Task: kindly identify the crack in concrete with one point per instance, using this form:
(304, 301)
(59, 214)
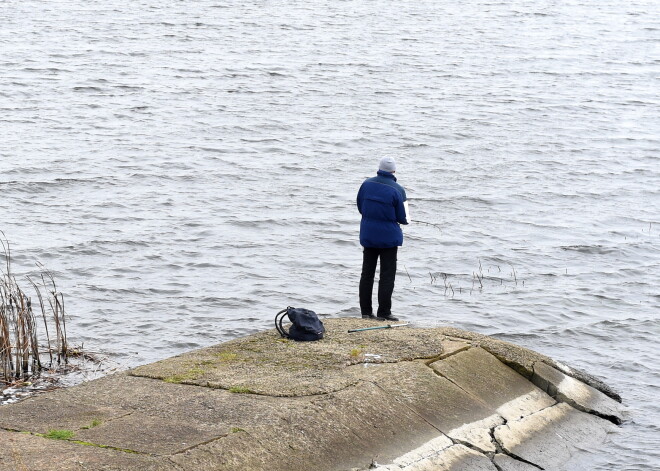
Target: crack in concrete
(611, 418)
(493, 440)
(207, 384)
(522, 460)
(175, 464)
(13, 430)
(111, 419)
(443, 355)
(255, 393)
(469, 445)
(490, 455)
(451, 381)
(535, 412)
(205, 442)
(559, 397)
(78, 442)
(498, 445)
(429, 361)
(500, 448)
(496, 466)
(408, 407)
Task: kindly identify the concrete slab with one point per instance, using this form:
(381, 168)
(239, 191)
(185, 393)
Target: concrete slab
(264, 363)
(23, 452)
(550, 438)
(342, 430)
(579, 395)
(241, 450)
(334, 405)
(516, 357)
(522, 360)
(102, 400)
(154, 435)
(483, 376)
(461, 458)
(421, 454)
(142, 415)
(453, 458)
(478, 434)
(452, 347)
(40, 415)
(436, 399)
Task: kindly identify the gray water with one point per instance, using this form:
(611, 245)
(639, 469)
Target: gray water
(189, 168)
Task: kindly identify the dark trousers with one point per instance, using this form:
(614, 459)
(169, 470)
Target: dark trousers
(386, 283)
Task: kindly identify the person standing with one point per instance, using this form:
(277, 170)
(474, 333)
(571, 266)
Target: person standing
(380, 201)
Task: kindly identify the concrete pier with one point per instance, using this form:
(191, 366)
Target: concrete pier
(408, 399)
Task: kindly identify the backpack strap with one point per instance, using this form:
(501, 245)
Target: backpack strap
(279, 317)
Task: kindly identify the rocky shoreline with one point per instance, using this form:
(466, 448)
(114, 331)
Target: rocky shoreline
(394, 399)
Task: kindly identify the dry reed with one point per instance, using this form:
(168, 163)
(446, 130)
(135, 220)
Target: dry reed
(20, 351)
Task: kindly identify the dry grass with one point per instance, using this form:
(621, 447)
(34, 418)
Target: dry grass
(20, 352)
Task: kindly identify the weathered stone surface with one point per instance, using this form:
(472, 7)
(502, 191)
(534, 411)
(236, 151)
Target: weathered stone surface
(523, 360)
(549, 438)
(452, 347)
(408, 398)
(506, 463)
(586, 378)
(461, 458)
(141, 414)
(420, 455)
(453, 458)
(477, 434)
(264, 363)
(483, 376)
(579, 395)
(439, 401)
(147, 434)
(518, 358)
(24, 452)
(341, 430)
(75, 408)
(40, 416)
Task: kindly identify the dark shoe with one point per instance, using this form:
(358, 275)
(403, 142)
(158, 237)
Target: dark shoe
(369, 316)
(388, 317)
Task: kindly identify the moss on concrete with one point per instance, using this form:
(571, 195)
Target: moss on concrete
(240, 390)
(95, 423)
(59, 434)
(267, 364)
(186, 376)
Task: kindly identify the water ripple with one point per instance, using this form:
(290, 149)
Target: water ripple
(186, 170)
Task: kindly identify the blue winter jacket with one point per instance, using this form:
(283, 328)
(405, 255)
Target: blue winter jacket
(380, 201)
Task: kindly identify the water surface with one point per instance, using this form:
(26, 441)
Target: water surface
(187, 169)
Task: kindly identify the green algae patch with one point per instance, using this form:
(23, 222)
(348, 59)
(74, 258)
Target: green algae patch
(187, 376)
(240, 390)
(59, 434)
(224, 357)
(67, 435)
(95, 423)
(106, 447)
(356, 352)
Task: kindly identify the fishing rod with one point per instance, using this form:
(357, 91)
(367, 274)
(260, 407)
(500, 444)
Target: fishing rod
(388, 326)
(417, 221)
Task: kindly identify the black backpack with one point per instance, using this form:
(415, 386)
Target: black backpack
(305, 324)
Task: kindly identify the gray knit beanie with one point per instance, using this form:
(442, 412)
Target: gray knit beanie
(387, 164)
